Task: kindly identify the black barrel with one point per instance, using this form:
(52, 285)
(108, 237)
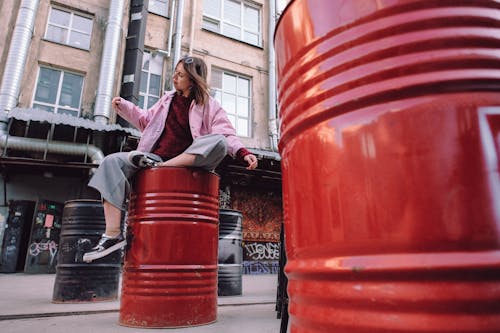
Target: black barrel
(77, 281)
(230, 265)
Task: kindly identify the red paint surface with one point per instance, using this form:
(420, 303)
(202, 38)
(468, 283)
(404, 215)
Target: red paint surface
(170, 270)
(390, 136)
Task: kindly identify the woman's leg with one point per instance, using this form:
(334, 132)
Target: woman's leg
(113, 218)
(182, 160)
(111, 179)
(205, 152)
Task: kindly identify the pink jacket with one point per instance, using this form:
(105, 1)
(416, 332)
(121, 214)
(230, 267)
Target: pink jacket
(203, 120)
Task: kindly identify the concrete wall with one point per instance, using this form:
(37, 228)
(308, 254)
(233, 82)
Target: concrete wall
(241, 58)
(84, 62)
(156, 38)
(217, 50)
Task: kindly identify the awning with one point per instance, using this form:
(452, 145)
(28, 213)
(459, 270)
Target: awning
(30, 114)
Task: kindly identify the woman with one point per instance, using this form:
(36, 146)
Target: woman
(185, 128)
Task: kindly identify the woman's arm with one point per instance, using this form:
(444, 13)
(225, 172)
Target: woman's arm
(222, 125)
(133, 114)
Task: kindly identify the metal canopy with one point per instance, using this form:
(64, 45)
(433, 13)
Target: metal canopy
(30, 114)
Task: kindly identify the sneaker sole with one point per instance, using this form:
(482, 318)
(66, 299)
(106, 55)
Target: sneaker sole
(88, 257)
(142, 161)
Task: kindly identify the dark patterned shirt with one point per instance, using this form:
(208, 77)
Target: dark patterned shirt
(176, 136)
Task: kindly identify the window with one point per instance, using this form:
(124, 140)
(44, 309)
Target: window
(58, 91)
(232, 18)
(149, 91)
(233, 93)
(159, 7)
(69, 28)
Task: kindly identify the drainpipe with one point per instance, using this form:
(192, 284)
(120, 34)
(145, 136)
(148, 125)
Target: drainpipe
(273, 126)
(170, 29)
(179, 15)
(57, 147)
(16, 58)
(166, 53)
(178, 7)
(111, 45)
(191, 33)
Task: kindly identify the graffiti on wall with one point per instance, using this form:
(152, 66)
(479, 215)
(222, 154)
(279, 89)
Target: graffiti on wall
(48, 246)
(261, 251)
(261, 257)
(262, 219)
(44, 239)
(260, 267)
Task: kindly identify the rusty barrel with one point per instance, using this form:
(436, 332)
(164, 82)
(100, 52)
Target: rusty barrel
(170, 271)
(230, 259)
(390, 126)
(77, 281)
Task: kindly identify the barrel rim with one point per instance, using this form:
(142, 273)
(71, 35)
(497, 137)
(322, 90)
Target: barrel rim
(229, 210)
(159, 167)
(83, 201)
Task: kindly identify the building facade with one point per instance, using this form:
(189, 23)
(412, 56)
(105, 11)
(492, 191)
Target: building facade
(61, 62)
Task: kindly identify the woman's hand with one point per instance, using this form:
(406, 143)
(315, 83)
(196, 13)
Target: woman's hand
(115, 102)
(251, 160)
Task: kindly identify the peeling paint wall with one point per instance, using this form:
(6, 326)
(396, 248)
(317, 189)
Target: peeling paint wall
(262, 214)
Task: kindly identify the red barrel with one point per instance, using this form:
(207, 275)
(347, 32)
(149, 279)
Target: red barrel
(390, 123)
(170, 269)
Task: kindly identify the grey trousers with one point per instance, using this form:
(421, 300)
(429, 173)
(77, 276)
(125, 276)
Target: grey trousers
(112, 176)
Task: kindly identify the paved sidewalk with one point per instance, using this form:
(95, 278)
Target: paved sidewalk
(26, 306)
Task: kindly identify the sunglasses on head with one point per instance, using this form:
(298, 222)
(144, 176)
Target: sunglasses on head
(190, 60)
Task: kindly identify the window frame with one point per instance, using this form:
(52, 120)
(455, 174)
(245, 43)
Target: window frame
(69, 28)
(167, 14)
(56, 106)
(220, 21)
(147, 94)
(249, 98)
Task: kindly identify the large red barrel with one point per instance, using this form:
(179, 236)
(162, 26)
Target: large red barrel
(390, 123)
(170, 269)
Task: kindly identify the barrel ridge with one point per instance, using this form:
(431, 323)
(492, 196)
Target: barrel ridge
(386, 11)
(366, 65)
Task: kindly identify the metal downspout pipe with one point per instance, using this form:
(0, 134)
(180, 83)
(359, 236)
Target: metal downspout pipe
(16, 58)
(273, 123)
(179, 16)
(107, 71)
(166, 53)
(11, 85)
(171, 29)
(192, 28)
(57, 147)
